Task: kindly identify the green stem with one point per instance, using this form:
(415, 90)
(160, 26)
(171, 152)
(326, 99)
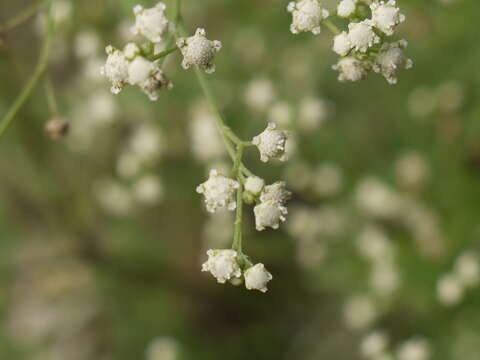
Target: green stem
(163, 54)
(32, 82)
(51, 98)
(332, 27)
(237, 233)
(23, 16)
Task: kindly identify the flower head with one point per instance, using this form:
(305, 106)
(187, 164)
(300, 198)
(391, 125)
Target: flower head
(271, 143)
(151, 23)
(341, 44)
(147, 76)
(269, 214)
(385, 16)
(222, 264)
(276, 193)
(307, 16)
(219, 191)
(254, 185)
(362, 36)
(346, 8)
(198, 50)
(115, 69)
(257, 277)
(351, 69)
(391, 60)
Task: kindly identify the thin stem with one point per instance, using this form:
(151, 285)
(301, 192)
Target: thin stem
(332, 27)
(237, 233)
(23, 16)
(163, 53)
(51, 98)
(32, 82)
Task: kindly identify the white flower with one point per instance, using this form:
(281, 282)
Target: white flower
(450, 290)
(148, 77)
(313, 112)
(374, 344)
(351, 69)
(362, 36)
(414, 349)
(198, 50)
(391, 60)
(327, 180)
(467, 268)
(219, 191)
(254, 185)
(385, 16)
(360, 312)
(346, 8)
(151, 23)
(115, 69)
(341, 44)
(222, 264)
(148, 190)
(259, 94)
(276, 193)
(163, 348)
(271, 143)
(307, 16)
(269, 214)
(257, 277)
(131, 50)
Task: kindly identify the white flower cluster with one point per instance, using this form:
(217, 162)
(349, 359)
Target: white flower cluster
(271, 143)
(140, 66)
(219, 191)
(363, 47)
(271, 210)
(225, 265)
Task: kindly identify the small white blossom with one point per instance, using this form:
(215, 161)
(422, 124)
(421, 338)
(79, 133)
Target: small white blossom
(115, 69)
(414, 349)
(374, 344)
(257, 277)
(269, 214)
(391, 60)
(450, 290)
(198, 50)
(148, 77)
(276, 193)
(346, 8)
(341, 44)
(467, 268)
(219, 191)
(385, 16)
(254, 185)
(148, 190)
(222, 264)
(259, 94)
(307, 16)
(362, 36)
(151, 23)
(351, 69)
(327, 180)
(360, 312)
(131, 50)
(163, 348)
(271, 143)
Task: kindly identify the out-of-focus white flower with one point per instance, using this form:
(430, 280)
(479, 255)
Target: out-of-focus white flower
(346, 8)
(303, 224)
(198, 50)
(151, 23)
(219, 191)
(331, 220)
(280, 113)
(362, 36)
(467, 268)
(359, 312)
(411, 171)
(87, 44)
(257, 277)
(163, 348)
(271, 143)
(416, 348)
(373, 244)
(269, 214)
(341, 44)
(327, 180)
(113, 197)
(374, 344)
(384, 278)
(254, 185)
(307, 16)
(351, 69)
(146, 143)
(450, 290)
(391, 60)
(451, 95)
(313, 112)
(259, 94)
(276, 193)
(115, 69)
(385, 16)
(222, 264)
(376, 199)
(298, 175)
(148, 190)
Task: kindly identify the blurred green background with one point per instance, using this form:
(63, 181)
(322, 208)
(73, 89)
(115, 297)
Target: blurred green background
(100, 251)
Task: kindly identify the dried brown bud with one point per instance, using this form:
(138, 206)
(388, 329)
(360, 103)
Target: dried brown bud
(56, 128)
